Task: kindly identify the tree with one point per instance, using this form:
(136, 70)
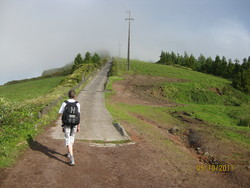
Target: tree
(245, 80)
(186, 59)
(215, 66)
(208, 65)
(173, 58)
(96, 58)
(168, 59)
(230, 69)
(87, 58)
(192, 62)
(78, 59)
(236, 83)
(223, 67)
(162, 58)
(201, 62)
(246, 64)
(179, 60)
(240, 74)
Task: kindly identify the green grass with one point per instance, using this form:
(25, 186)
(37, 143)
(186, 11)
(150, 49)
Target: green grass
(124, 112)
(173, 72)
(204, 96)
(198, 90)
(238, 137)
(21, 103)
(29, 90)
(111, 81)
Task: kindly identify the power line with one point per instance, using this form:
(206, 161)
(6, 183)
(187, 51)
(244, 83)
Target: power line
(129, 19)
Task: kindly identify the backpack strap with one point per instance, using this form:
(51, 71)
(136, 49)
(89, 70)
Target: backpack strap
(69, 102)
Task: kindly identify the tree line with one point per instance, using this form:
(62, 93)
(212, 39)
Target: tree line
(95, 59)
(238, 73)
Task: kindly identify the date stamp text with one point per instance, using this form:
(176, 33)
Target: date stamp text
(214, 168)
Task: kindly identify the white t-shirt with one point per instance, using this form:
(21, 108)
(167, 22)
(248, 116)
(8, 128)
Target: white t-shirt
(64, 104)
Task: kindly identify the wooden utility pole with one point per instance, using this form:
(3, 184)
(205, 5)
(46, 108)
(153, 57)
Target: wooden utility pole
(129, 19)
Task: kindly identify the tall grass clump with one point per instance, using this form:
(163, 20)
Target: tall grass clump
(114, 68)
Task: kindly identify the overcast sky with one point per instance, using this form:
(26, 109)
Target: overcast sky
(40, 34)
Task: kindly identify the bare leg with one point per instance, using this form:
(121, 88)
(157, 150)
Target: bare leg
(70, 149)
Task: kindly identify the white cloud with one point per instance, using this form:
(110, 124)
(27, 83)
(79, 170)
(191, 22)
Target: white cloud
(36, 35)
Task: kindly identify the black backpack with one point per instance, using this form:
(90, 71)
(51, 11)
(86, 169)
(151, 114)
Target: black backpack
(71, 116)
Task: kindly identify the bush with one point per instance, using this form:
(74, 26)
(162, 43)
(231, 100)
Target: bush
(244, 122)
(114, 68)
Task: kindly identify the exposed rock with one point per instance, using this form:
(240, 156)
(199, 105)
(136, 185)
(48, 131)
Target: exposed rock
(173, 130)
(199, 150)
(206, 154)
(194, 139)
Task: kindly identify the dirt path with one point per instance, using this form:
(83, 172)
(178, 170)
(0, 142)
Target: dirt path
(142, 164)
(138, 165)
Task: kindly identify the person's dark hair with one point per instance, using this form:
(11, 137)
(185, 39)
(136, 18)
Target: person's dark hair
(72, 94)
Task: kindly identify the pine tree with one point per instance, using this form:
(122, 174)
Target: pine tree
(162, 58)
(230, 69)
(87, 58)
(208, 65)
(236, 83)
(223, 67)
(215, 66)
(78, 61)
(192, 62)
(96, 58)
(186, 59)
(201, 62)
(173, 58)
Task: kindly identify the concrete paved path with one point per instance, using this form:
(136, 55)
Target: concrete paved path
(96, 122)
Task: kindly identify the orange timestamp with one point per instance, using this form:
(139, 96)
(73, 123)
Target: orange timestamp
(213, 168)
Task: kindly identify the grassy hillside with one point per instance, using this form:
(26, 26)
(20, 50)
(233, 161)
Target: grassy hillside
(21, 105)
(29, 90)
(63, 71)
(206, 93)
(210, 115)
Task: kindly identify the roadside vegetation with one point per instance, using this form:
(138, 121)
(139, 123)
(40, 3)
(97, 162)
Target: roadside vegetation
(202, 111)
(27, 106)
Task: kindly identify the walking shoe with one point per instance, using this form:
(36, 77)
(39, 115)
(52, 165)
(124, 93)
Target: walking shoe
(67, 155)
(71, 162)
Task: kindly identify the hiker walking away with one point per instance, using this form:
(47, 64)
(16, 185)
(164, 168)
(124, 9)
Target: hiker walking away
(70, 111)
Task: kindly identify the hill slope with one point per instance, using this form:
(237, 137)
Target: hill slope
(200, 111)
(157, 159)
(27, 106)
